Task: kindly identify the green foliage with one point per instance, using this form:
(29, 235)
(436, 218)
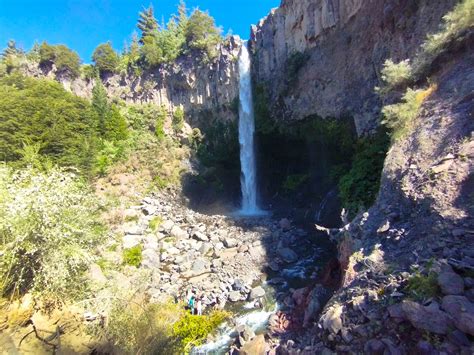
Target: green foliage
(193, 330)
(89, 72)
(108, 153)
(155, 223)
(394, 74)
(147, 23)
(11, 49)
(456, 23)
(358, 188)
(293, 65)
(111, 124)
(263, 121)
(105, 58)
(178, 119)
(66, 60)
(133, 256)
(48, 229)
(422, 287)
(399, 118)
(40, 111)
(202, 35)
(294, 181)
(137, 328)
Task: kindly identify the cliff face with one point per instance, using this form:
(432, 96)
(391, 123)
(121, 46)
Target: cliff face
(187, 82)
(324, 57)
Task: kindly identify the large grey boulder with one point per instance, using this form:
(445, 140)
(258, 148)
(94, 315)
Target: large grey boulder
(461, 311)
(131, 240)
(450, 283)
(428, 318)
(257, 292)
(287, 255)
(178, 233)
(235, 296)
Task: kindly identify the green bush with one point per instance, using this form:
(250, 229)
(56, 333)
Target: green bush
(105, 58)
(202, 35)
(66, 60)
(178, 119)
(155, 223)
(399, 118)
(193, 330)
(133, 256)
(294, 181)
(359, 187)
(43, 112)
(293, 65)
(394, 74)
(48, 231)
(137, 328)
(89, 72)
(422, 287)
(108, 153)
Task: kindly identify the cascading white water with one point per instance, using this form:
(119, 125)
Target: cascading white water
(248, 176)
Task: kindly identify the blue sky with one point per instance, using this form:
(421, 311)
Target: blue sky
(83, 24)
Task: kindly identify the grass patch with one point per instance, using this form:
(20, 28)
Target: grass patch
(155, 223)
(133, 256)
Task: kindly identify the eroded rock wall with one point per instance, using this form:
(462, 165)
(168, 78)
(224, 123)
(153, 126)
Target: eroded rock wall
(345, 43)
(188, 83)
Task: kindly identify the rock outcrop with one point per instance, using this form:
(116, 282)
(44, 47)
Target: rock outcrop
(189, 83)
(323, 57)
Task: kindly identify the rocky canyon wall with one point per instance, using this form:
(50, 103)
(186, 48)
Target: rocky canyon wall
(188, 83)
(323, 57)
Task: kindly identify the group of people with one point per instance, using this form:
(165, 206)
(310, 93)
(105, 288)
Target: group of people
(195, 305)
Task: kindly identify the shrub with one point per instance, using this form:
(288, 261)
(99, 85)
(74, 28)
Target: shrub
(105, 58)
(422, 287)
(155, 223)
(193, 330)
(66, 60)
(48, 229)
(358, 188)
(43, 112)
(137, 328)
(108, 153)
(394, 74)
(89, 72)
(293, 65)
(399, 118)
(133, 256)
(294, 181)
(178, 119)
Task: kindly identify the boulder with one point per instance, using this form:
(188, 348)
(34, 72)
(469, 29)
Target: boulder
(199, 266)
(230, 242)
(257, 292)
(151, 259)
(131, 240)
(287, 255)
(285, 224)
(428, 318)
(235, 296)
(462, 312)
(256, 346)
(133, 229)
(96, 274)
(450, 283)
(374, 347)
(166, 225)
(200, 236)
(178, 233)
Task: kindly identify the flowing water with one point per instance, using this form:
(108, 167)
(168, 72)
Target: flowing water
(248, 178)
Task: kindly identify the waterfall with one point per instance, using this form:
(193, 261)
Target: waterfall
(248, 176)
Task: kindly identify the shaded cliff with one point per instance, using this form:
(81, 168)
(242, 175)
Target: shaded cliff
(323, 57)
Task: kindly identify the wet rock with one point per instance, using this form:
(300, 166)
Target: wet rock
(430, 319)
(287, 255)
(459, 338)
(257, 292)
(461, 311)
(285, 224)
(450, 283)
(331, 320)
(374, 347)
(256, 346)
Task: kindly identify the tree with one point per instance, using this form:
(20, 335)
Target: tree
(66, 60)
(147, 23)
(11, 49)
(105, 58)
(100, 105)
(202, 34)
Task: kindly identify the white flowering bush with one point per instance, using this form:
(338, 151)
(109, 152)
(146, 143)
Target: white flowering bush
(48, 231)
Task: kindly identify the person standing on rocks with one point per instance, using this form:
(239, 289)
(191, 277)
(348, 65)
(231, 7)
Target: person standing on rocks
(199, 307)
(191, 304)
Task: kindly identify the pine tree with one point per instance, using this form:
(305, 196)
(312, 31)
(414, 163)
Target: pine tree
(105, 58)
(147, 23)
(100, 105)
(11, 49)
